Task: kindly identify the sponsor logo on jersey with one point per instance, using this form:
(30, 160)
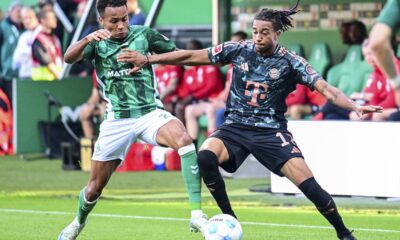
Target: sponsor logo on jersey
(274, 73)
(216, 50)
(119, 73)
(310, 70)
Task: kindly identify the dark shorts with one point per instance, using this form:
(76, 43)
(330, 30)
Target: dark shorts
(271, 147)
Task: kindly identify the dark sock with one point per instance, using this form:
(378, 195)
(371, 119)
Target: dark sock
(325, 205)
(208, 164)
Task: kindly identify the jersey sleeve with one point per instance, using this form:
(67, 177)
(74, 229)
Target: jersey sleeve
(390, 14)
(89, 51)
(304, 72)
(223, 53)
(159, 43)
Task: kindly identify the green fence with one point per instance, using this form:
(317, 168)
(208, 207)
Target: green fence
(31, 106)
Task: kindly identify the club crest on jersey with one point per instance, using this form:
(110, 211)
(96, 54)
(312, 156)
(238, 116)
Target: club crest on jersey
(274, 73)
(217, 49)
(310, 70)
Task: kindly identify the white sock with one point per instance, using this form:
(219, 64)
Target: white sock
(197, 213)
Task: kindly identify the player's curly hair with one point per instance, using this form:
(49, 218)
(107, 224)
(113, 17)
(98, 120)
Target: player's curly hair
(102, 4)
(281, 20)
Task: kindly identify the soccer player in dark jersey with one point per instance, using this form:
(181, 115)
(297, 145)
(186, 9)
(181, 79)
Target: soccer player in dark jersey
(264, 74)
(134, 109)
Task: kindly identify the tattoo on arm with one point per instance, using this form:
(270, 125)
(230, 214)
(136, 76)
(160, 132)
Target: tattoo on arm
(329, 92)
(334, 97)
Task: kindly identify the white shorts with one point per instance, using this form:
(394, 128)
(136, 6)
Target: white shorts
(117, 135)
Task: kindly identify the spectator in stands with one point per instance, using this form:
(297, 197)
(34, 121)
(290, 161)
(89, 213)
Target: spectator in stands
(303, 102)
(357, 32)
(200, 83)
(46, 49)
(381, 34)
(353, 32)
(377, 91)
(22, 60)
(45, 5)
(136, 16)
(214, 108)
(344, 32)
(94, 107)
(10, 29)
(168, 80)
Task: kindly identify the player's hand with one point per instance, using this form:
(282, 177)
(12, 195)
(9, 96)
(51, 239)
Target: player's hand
(361, 110)
(98, 35)
(138, 60)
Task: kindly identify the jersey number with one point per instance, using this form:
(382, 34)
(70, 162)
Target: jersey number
(255, 94)
(283, 139)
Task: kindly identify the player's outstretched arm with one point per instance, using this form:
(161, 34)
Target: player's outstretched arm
(75, 51)
(182, 57)
(337, 97)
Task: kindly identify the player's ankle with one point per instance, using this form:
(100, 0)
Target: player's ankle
(196, 213)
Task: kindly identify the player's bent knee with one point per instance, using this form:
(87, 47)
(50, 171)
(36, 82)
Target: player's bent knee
(183, 140)
(93, 191)
(207, 160)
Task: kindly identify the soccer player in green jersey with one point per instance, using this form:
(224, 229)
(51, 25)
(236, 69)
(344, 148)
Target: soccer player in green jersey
(134, 109)
(379, 41)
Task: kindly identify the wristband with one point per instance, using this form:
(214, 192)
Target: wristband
(148, 61)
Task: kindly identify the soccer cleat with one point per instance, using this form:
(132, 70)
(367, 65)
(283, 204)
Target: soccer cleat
(71, 231)
(348, 236)
(198, 224)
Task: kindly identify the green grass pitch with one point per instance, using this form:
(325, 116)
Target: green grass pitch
(37, 199)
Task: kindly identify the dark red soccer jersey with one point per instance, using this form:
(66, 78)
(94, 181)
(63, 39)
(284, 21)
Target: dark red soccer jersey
(202, 82)
(164, 74)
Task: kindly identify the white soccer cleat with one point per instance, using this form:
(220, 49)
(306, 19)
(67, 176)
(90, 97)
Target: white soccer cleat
(71, 231)
(198, 223)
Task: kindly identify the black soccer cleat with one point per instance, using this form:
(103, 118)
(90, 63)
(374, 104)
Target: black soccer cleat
(348, 236)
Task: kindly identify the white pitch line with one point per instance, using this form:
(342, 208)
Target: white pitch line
(184, 219)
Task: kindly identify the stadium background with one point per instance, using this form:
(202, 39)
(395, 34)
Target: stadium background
(26, 185)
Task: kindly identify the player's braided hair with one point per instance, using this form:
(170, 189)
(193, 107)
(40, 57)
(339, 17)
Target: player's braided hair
(102, 4)
(281, 20)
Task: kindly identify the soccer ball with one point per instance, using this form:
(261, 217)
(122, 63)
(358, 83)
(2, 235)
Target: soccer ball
(222, 227)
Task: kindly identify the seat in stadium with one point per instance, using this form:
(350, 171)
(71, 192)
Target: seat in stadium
(297, 48)
(320, 58)
(353, 54)
(349, 78)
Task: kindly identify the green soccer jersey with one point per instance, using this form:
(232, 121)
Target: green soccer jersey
(128, 96)
(390, 15)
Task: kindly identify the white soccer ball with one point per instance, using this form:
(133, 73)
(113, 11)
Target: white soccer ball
(223, 227)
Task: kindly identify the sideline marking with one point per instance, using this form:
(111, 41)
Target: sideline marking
(184, 219)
